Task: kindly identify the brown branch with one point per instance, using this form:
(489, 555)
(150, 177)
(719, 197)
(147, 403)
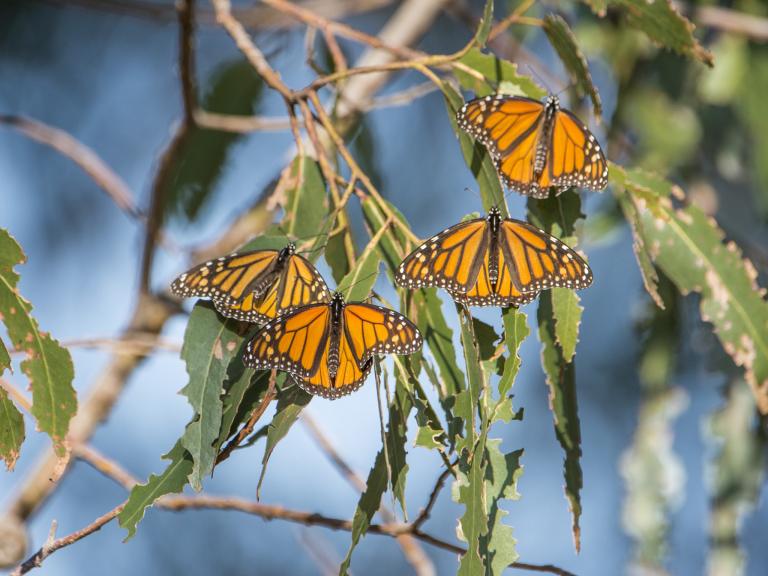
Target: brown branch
(727, 20)
(162, 184)
(415, 555)
(109, 468)
(64, 143)
(240, 124)
(246, 430)
(257, 17)
(424, 514)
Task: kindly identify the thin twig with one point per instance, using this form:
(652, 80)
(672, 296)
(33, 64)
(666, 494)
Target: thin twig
(246, 430)
(80, 154)
(241, 124)
(162, 184)
(424, 514)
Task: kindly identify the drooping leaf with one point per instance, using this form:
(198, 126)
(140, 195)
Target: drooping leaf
(11, 428)
(484, 29)
(486, 338)
(290, 402)
(439, 337)
(688, 246)
(476, 156)
(244, 392)
(515, 331)
(738, 473)
(500, 76)
(357, 285)
(561, 380)
(172, 480)
(234, 88)
(666, 26)
(647, 269)
(305, 204)
(48, 365)
(473, 525)
(376, 484)
(501, 476)
(564, 42)
(210, 344)
(567, 310)
(336, 255)
(5, 358)
(393, 245)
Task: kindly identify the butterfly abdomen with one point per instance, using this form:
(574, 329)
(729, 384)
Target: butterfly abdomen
(337, 309)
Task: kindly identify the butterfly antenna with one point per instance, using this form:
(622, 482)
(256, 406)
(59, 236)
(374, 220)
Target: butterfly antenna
(363, 279)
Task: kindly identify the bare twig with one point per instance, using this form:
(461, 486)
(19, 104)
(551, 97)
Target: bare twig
(414, 553)
(161, 184)
(81, 155)
(109, 468)
(727, 20)
(240, 124)
(246, 430)
(424, 514)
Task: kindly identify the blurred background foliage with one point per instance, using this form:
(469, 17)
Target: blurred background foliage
(674, 449)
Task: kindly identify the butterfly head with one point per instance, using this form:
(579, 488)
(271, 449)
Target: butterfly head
(286, 252)
(494, 218)
(552, 103)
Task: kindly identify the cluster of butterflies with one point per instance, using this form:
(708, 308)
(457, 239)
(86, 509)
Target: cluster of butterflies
(328, 346)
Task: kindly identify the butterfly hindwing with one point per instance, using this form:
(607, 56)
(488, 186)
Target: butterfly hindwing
(450, 259)
(373, 330)
(575, 157)
(536, 260)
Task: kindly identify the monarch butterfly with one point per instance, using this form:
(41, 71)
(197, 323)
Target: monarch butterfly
(494, 261)
(255, 286)
(536, 145)
(329, 348)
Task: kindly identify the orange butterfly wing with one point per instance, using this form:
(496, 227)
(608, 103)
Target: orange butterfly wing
(536, 260)
(575, 158)
(450, 259)
(513, 129)
(505, 294)
(373, 330)
(250, 287)
(293, 343)
(349, 377)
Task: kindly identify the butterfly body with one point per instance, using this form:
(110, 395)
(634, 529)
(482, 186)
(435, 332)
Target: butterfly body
(535, 145)
(494, 261)
(329, 348)
(255, 286)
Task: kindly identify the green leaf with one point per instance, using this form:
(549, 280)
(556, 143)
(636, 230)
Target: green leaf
(474, 522)
(663, 24)
(564, 42)
(11, 426)
(5, 358)
(245, 389)
(647, 269)
(467, 402)
(376, 484)
(234, 88)
(599, 7)
(567, 311)
(688, 247)
(47, 365)
(290, 402)
(476, 156)
(357, 285)
(305, 206)
(394, 245)
(737, 476)
(754, 121)
(142, 496)
(484, 29)
(515, 331)
(500, 75)
(210, 344)
(561, 380)
(439, 337)
(502, 474)
(486, 338)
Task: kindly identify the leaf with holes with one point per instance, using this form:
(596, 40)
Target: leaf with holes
(688, 247)
(499, 75)
(663, 24)
(171, 481)
(47, 365)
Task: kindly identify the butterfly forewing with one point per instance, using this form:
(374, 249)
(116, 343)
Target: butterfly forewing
(293, 343)
(539, 260)
(373, 330)
(255, 286)
(450, 259)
